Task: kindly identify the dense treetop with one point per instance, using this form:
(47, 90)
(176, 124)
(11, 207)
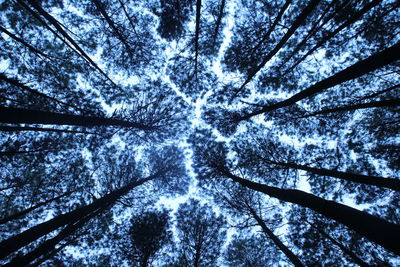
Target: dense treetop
(272, 126)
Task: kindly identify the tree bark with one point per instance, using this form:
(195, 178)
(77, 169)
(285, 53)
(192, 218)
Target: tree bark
(18, 241)
(350, 21)
(373, 228)
(296, 24)
(390, 183)
(376, 61)
(288, 253)
(26, 211)
(374, 104)
(19, 115)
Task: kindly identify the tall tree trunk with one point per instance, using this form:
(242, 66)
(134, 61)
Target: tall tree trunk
(112, 25)
(373, 228)
(379, 92)
(55, 23)
(345, 250)
(390, 183)
(288, 253)
(374, 104)
(26, 211)
(39, 129)
(296, 24)
(19, 115)
(218, 22)
(20, 40)
(358, 15)
(265, 37)
(18, 241)
(376, 61)
(15, 82)
(49, 245)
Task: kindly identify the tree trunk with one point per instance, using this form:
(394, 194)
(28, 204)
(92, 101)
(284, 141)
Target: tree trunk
(296, 24)
(19, 115)
(376, 61)
(26, 211)
(373, 228)
(18, 241)
(374, 104)
(390, 183)
(345, 250)
(289, 254)
(218, 22)
(38, 129)
(196, 38)
(49, 245)
(350, 21)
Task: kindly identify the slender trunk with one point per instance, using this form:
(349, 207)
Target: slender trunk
(374, 104)
(288, 253)
(265, 37)
(26, 211)
(218, 22)
(196, 38)
(18, 241)
(373, 228)
(128, 17)
(376, 61)
(112, 25)
(346, 251)
(49, 245)
(390, 183)
(350, 21)
(19, 115)
(18, 84)
(55, 23)
(50, 254)
(296, 24)
(19, 40)
(380, 92)
(38, 129)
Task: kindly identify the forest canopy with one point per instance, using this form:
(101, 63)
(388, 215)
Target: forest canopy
(200, 133)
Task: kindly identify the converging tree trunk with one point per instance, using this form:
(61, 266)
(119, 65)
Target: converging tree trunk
(373, 228)
(19, 115)
(289, 254)
(376, 61)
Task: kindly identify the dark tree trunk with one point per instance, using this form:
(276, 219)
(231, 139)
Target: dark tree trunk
(390, 183)
(265, 37)
(112, 25)
(376, 61)
(19, 115)
(379, 92)
(18, 241)
(289, 254)
(49, 245)
(345, 250)
(19, 40)
(296, 24)
(38, 129)
(218, 22)
(55, 23)
(374, 104)
(373, 228)
(350, 21)
(26, 211)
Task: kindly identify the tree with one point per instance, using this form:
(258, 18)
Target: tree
(201, 233)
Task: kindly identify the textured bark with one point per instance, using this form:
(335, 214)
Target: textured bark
(296, 24)
(373, 228)
(376, 61)
(19, 115)
(390, 183)
(289, 254)
(28, 210)
(18, 241)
